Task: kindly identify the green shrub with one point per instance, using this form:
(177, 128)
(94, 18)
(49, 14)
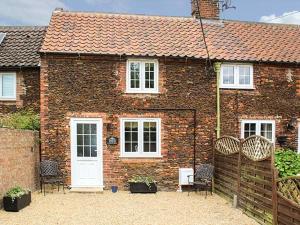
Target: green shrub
(26, 119)
(142, 179)
(287, 162)
(16, 192)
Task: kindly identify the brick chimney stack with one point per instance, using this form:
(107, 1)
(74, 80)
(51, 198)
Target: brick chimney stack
(209, 9)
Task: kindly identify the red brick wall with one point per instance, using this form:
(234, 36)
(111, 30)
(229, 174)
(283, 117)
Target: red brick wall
(94, 87)
(209, 9)
(274, 98)
(19, 159)
(28, 91)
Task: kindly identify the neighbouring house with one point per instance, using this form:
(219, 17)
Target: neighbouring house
(125, 95)
(20, 67)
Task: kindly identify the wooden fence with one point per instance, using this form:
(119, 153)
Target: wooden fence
(246, 169)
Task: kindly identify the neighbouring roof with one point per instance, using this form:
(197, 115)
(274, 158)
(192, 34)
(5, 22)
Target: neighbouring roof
(140, 35)
(20, 46)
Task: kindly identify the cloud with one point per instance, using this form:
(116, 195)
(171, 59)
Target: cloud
(28, 12)
(292, 17)
(114, 5)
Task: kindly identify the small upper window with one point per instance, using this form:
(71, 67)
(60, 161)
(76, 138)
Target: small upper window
(264, 128)
(142, 76)
(236, 76)
(8, 86)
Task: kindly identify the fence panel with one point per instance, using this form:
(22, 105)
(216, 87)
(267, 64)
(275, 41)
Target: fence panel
(288, 201)
(226, 166)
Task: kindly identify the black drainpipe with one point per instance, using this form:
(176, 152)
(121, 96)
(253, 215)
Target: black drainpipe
(195, 124)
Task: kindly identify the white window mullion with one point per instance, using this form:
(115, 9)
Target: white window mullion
(140, 134)
(258, 128)
(142, 76)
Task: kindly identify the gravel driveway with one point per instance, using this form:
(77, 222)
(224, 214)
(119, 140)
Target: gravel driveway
(164, 208)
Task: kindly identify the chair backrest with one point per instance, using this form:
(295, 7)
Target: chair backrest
(49, 168)
(204, 171)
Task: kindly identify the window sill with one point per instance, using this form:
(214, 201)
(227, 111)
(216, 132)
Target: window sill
(141, 92)
(141, 157)
(8, 99)
(237, 88)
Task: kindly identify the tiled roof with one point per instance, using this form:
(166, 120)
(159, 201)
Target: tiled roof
(121, 34)
(20, 46)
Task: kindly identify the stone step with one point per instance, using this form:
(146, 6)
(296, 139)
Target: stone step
(87, 190)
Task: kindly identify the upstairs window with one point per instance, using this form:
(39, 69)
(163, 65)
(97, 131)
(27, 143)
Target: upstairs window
(7, 86)
(235, 76)
(264, 128)
(142, 76)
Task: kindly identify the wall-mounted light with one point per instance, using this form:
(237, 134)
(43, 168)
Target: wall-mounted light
(292, 124)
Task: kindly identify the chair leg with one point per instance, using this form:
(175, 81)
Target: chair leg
(64, 187)
(41, 186)
(44, 189)
(58, 183)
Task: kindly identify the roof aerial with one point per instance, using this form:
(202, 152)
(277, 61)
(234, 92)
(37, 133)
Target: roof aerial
(2, 36)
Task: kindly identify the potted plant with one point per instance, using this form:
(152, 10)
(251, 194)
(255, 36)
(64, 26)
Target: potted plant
(142, 184)
(16, 199)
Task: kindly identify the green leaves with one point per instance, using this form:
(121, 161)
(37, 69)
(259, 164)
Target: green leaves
(287, 162)
(26, 120)
(142, 179)
(16, 192)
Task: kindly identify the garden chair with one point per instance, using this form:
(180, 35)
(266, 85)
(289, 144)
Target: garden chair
(202, 178)
(50, 174)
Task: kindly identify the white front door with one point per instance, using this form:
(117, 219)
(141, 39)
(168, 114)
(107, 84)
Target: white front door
(86, 152)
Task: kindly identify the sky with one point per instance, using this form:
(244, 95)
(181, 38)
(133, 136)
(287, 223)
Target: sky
(38, 12)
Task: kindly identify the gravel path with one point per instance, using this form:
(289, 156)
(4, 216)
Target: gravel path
(123, 208)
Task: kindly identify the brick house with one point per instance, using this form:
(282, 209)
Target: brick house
(19, 67)
(125, 95)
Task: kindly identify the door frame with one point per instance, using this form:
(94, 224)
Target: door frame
(73, 122)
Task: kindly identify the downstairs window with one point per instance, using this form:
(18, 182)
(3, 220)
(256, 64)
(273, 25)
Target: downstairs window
(7, 86)
(140, 137)
(264, 128)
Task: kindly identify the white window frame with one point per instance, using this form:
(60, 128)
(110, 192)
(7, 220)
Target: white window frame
(142, 88)
(258, 127)
(14, 96)
(236, 84)
(140, 153)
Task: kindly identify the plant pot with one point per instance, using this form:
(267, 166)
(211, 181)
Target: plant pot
(142, 188)
(114, 189)
(18, 203)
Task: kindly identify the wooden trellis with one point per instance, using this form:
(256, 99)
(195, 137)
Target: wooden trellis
(246, 169)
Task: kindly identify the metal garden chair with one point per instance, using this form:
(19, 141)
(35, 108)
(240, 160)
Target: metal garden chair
(202, 178)
(50, 174)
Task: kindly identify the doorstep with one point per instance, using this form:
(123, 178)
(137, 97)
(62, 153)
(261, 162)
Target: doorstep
(87, 190)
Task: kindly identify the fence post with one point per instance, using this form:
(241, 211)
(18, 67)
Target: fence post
(274, 187)
(239, 173)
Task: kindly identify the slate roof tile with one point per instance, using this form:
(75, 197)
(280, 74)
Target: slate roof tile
(21, 46)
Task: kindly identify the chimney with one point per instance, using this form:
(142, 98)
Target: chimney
(209, 9)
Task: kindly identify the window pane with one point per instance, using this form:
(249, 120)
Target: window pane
(79, 140)
(228, 75)
(93, 129)
(266, 130)
(94, 151)
(153, 147)
(244, 75)
(146, 147)
(87, 129)
(87, 151)
(249, 129)
(79, 151)
(87, 140)
(93, 139)
(79, 128)
(8, 85)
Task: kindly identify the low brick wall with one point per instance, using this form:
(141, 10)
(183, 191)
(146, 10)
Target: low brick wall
(19, 159)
